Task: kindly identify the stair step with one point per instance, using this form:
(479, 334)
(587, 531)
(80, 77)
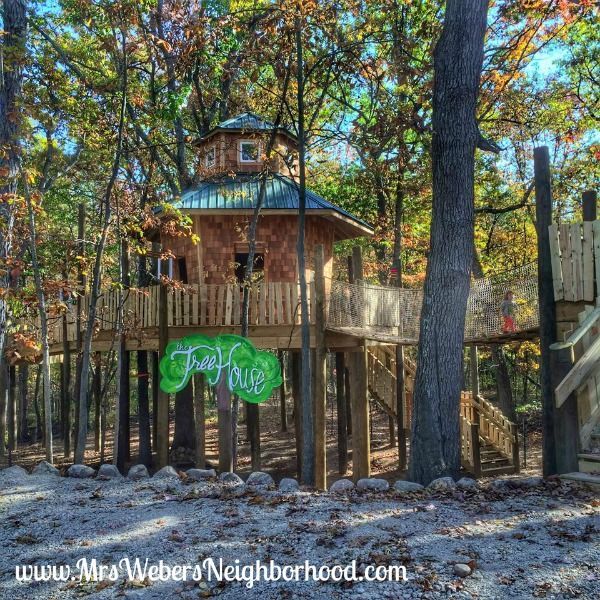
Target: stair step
(504, 470)
(498, 461)
(589, 463)
(587, 478)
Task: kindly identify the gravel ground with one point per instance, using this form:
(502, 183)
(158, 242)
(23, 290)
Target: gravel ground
(542, 541)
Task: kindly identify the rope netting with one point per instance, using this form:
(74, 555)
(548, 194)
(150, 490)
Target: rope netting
(393, 314)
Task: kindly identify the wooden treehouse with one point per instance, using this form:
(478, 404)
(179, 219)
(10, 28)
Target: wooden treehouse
(359, 322)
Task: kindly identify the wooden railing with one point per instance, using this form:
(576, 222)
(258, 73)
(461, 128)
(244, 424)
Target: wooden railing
(492, 426)
(271, 303)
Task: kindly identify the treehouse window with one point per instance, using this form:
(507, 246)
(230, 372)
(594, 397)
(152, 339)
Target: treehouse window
(182, 270)
(210, 159)
(248, 152)
(241, 260)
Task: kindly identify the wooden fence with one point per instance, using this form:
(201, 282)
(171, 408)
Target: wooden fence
(575, 252)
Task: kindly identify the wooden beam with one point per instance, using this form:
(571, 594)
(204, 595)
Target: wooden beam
(224, 426)
(295, 369)
(400, 401)
(162, 415)
(199, 420)
(576, 376)
(342, 417)
(320, 387)
(361, 457)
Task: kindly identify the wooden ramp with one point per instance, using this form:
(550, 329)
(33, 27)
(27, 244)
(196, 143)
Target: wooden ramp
(489, 440)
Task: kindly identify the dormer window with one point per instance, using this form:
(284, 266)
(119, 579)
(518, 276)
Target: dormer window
(248, 151)
(210, 160)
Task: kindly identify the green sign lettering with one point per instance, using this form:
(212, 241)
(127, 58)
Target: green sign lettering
(250, 373)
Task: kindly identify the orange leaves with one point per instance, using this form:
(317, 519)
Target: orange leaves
(23, 348)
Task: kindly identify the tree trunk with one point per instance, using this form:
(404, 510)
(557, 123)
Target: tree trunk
(24, 403)
(97, 392)
(458, 58)
(144, 409)
(185, 433)
(13, 52)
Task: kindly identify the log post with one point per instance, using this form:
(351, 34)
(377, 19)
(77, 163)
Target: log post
(476, 449)
(320, 388)
(342, 418)
(589, 205)
(224, 426)
(282, 393)
(400, 402)
(199, 419)
(162, 413)
(97, 392)
(474, 367)
(559, 426)
(295, 372)
(361, 447)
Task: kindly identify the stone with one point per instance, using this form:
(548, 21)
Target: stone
(499, 484)
(441, 484)
(15, 472)
(259, 479)
(462, 570)
(231, 479)
(138, 472)
(200, 474)
(341, 486)
(167, 472)
(80, 471)
(45, 468)
(466, 483)
(288, 485)
(108, 471)
(372, 484)
(525, 482)
(405, 487)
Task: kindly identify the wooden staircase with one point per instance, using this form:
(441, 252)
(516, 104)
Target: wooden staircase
(489, 440)
(583, 380)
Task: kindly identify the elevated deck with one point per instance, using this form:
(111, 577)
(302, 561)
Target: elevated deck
(356, 313)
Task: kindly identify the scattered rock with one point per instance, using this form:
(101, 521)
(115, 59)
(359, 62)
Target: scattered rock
(200, 474)
(372, 484)
(341, 486)
(499, 484)
(138, 472)
(525, 482)
(15, 472)
(80, 471)
(231, 479)
(466, 483)
(259, 479)
(405, 487)
(442, 483)
(108, 471)
(45, 468)
(288, 485)
(166, 472)
(462, 570)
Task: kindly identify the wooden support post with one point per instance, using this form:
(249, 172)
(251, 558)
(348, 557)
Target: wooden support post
(66, 390)
(361, 447)
(348, 393)
(474, 366)
(342, 418)
(253, 432)
(566, 426)
(400, 401)
(320, 387)
(97, 392)
(296, 394)
(589, 200)
(155, 391)
(12, 410)
(199, 420)
(224, 426)
(282, 393)
(162, 414)
(476, 449)
(81, 285)
(555, 422)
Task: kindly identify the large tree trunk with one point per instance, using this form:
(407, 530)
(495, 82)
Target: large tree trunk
(23, 403)
(458, 58)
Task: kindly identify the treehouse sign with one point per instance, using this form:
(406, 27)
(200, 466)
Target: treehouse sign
(250, 373)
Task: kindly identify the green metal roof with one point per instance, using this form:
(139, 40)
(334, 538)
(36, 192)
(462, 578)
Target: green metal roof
(241, 193)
